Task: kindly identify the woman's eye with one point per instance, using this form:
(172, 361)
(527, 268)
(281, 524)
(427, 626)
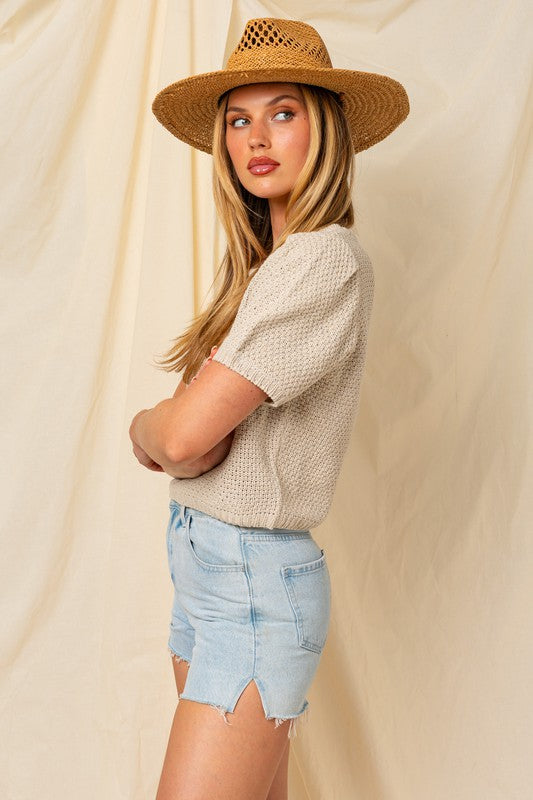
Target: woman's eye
(288, 114)
(238, 122)
(241, 122)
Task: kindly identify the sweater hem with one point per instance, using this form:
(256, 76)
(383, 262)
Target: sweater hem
(252, 519)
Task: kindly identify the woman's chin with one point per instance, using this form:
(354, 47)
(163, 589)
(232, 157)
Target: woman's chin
(267, 192)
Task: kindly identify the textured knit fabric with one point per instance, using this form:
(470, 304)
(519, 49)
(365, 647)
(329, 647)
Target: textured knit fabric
(300, 334)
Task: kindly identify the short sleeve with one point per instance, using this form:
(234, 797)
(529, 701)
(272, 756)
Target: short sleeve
(299, 318)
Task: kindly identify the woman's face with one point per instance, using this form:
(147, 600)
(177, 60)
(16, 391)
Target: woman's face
(267, 136)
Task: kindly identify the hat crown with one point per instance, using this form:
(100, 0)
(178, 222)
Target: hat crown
(279, 43)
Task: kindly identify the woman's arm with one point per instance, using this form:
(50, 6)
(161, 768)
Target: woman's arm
(198, 467)
(218, 453)
(182, 385)
(186, 470)
(191, 432)
(142, 457)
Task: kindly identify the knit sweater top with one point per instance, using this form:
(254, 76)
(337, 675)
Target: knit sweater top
(300, 334)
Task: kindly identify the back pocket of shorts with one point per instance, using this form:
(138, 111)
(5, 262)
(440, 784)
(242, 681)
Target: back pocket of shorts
(309, 591)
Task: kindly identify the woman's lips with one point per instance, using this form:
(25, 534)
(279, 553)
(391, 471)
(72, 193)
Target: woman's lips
(261, 166)
(262, 169)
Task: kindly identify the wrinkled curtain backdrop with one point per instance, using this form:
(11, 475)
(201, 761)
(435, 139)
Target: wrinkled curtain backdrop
(109, 244)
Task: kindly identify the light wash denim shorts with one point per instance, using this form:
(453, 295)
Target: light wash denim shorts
(249, 603)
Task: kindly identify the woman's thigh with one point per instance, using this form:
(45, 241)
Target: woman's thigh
(279, 787)
(205, 759)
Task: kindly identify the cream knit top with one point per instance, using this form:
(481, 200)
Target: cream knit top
(300, 334)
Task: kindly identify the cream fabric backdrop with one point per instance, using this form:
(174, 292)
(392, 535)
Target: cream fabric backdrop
(109, 244)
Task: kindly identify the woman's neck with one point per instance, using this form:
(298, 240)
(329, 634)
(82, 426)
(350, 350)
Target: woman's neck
(278, 216)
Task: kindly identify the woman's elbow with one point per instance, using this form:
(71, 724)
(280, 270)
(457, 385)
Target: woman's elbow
(176, 453)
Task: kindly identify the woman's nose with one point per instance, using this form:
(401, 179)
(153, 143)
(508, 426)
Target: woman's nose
(258, 135)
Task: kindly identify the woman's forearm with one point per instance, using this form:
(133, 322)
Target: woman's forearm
(153, 430)
(148, 430)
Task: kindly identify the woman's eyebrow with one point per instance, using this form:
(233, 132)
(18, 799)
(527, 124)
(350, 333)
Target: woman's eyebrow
(270, 103)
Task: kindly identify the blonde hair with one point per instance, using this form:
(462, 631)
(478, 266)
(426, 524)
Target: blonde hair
(321, 196)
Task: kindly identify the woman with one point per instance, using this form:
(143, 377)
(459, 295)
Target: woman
(255, 434)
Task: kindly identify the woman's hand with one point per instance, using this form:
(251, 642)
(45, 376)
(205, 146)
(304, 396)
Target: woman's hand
(132, 425)
(218, 453)
(145, 460)
(142, 457)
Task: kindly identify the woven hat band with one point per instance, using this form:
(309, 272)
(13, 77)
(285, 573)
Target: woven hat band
(277, 44)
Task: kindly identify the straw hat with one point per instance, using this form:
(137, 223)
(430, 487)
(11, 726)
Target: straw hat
(282, 51)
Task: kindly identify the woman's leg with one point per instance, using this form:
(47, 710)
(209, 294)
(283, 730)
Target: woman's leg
(181, 667)
(206, 758)
(279, 789)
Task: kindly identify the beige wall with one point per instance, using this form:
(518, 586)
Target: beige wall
(109, 244)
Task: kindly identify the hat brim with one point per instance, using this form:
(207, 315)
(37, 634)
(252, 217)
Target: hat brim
(374, 104)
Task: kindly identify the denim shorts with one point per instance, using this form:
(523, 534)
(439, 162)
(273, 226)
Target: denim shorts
(249, 604)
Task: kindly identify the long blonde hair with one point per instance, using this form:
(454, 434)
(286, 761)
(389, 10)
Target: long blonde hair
(321, 196)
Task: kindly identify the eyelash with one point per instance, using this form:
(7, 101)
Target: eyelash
(236, 119)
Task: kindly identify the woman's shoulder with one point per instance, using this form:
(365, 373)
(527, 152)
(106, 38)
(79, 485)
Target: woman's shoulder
(322, 260)
(334, 243)
(328, 255)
